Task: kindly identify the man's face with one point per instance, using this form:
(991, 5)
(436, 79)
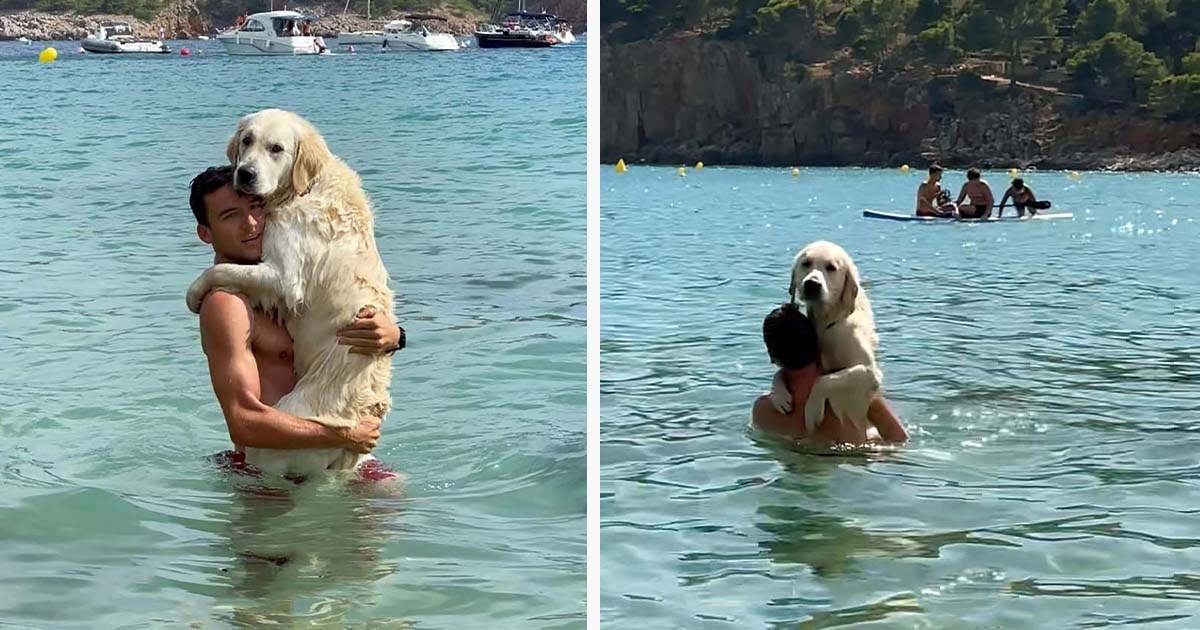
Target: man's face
(935, 176)
(235, 223)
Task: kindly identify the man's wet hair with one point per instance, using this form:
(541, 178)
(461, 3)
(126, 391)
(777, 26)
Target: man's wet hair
(973, 173)
(790, 337)
(211, 180)
(1018, 183)
(935, 169)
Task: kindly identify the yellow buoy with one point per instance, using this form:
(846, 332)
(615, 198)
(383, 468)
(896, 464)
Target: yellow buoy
(903, 168)
(795, 172)
(621, 168)
(1013, 173)
(47, 55)
(682, 172)
(699, 165)
(1075, 175)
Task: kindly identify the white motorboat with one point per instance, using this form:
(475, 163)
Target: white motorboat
(418, 32)
(360, 38)
(272, 33)
(117, 37)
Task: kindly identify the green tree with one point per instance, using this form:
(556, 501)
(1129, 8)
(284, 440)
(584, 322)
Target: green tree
(928, 13)
(1011, 24)
(883, 21)
(1100, 18)
(1177, 96)
(938, 43)
(1115, 66)
(1191, 63)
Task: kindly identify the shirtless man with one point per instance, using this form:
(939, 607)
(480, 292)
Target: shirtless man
(250, 354)
(980, 194)
(792, 345)
(1023, 199)
(930, 196)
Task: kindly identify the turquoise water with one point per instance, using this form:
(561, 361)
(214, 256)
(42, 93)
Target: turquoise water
(110, 514)
(1048, 371)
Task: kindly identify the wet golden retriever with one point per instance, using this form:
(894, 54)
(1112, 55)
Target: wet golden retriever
(320, 266)
(825, 279)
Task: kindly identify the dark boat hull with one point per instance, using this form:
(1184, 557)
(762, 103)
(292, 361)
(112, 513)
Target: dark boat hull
(510, 40)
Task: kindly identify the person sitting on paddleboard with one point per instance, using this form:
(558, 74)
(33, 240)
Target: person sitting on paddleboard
(1023, 198)
(980, 194)
(932, 200)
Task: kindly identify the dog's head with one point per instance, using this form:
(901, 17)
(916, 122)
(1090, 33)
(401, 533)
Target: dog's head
(276, 154)
(825, 279)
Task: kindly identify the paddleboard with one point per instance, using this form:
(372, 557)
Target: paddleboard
(896, 216)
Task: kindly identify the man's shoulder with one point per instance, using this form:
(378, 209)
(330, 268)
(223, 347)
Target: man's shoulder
(224, 309)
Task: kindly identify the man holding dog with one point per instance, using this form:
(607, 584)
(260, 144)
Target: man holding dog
(250, 354)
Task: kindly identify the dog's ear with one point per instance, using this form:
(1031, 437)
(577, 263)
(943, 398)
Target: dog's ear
(235, 144)
(311, 156)
(844, 305)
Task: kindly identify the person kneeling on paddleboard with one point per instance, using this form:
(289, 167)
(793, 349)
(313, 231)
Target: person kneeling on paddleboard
(1023, 198)
(932, 199)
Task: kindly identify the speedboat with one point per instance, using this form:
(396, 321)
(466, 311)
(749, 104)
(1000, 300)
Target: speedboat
(418, 32)
(519, 30)
(271, 33)
(117, 37)
(360, 38)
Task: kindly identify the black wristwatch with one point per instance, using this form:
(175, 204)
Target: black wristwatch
(401, 343)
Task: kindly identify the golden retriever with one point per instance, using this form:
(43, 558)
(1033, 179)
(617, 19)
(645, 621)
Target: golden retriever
(825, 279)
(320, 265)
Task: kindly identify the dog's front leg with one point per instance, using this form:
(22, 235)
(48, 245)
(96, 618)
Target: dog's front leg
(852, 391)
(262, 283)
(781, 398)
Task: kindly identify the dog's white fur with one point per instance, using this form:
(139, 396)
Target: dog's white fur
(320, 265)
(841, 314)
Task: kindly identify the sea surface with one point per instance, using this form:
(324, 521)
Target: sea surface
(1049, 372)
(112, 515)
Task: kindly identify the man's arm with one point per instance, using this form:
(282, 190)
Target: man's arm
(880, 414)
(1004, 200)
(922, 202)
(225, 334)
(962, 194)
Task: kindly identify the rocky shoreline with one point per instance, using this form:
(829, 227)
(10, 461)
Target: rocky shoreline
(682, 100)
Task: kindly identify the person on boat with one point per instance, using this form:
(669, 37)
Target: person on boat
(932, 200)
(250, 353)
(1023, 198)
(979, 194)
(241, 20)
(792, 345)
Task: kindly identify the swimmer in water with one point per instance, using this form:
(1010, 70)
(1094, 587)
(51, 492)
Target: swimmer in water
(792, 345)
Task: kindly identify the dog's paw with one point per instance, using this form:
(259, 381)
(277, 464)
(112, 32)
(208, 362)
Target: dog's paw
(781, 399)
(196, 293)
(814, 413)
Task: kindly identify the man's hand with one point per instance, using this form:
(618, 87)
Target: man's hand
(371, 333)
(365, 435)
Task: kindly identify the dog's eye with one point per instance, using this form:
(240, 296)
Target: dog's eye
(276, 148)
(804, 263)
(247, 140)
(831, 267)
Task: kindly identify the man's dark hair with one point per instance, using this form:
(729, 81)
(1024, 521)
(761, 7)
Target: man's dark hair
(211, 180)
(1018, 183)
(935, 169)
(791, 339)
(973, 174)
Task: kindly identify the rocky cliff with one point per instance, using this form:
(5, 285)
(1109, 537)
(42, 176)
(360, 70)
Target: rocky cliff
(682, 99)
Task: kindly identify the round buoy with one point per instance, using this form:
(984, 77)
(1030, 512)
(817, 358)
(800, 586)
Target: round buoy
(682, 172)
(903, 168)
(795, 172)
(1013, 173)
(1075, 175)
(699, 165)
(183, 52)
(47, 55)
(621, 168)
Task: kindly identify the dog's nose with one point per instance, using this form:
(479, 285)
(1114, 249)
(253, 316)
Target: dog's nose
(245, 175)
(812, 289)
